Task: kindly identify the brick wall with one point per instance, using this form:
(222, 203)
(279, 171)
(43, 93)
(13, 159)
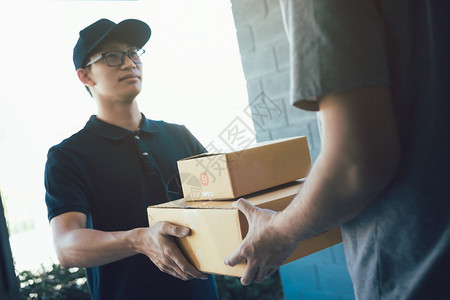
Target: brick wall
(265, 60)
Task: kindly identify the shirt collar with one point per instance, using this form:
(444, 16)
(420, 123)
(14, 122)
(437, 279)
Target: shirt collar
(113, 132)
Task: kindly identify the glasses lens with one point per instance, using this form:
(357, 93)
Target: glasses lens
(134, 55)
(113, 58)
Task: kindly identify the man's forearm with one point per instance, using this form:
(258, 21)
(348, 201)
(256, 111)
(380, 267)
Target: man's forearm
(359, 158)
(329, 197)
(80, 247)
(89, 248)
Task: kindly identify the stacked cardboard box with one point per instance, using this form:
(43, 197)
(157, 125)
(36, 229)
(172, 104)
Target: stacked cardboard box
(234, 174)
(267, 174)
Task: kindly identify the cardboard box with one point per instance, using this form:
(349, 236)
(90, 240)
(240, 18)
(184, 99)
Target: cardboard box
(217, 228)
(234, 174)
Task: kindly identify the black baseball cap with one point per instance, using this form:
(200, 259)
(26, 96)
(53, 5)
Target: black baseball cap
(131, 31)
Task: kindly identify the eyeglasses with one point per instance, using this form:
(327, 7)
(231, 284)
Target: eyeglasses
(117, 58)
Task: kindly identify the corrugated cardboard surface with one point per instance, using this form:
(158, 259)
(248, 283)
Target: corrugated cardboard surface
(238, 173)
(217, 228)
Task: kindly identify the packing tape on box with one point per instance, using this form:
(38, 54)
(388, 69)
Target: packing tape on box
(191, 218)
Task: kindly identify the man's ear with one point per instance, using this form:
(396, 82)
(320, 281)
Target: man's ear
(85, 77)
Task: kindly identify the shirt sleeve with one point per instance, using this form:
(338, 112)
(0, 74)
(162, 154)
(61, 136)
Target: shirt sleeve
(65, 190)
(335, 45)
(193, 142)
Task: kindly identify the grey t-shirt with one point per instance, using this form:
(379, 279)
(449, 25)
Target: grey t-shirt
(399, 247)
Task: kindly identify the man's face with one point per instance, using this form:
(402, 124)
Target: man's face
(119, 83)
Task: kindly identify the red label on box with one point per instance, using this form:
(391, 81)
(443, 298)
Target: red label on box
(204, 179)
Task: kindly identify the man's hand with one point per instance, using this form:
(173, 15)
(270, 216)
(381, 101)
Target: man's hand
(158, 243)
(265, 247)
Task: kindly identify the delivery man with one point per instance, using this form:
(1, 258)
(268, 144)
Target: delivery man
(100, 181)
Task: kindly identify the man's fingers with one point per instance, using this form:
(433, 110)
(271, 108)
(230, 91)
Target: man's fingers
(168, 257)
(193, 272)
(249, 274)
(180, 273)
(245, 207)
(179, 267)
(182, 266)
(271, 272)
(186, 268)
(234, 258)
(264, 273)
(175, 230)
(171, 271)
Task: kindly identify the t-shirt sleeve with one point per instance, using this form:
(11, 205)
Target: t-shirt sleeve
(193, 142)
(65, 191)
(336, 45)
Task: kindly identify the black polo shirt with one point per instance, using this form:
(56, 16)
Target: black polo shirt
(112, 175)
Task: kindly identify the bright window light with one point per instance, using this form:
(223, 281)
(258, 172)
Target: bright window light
(192, 76)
